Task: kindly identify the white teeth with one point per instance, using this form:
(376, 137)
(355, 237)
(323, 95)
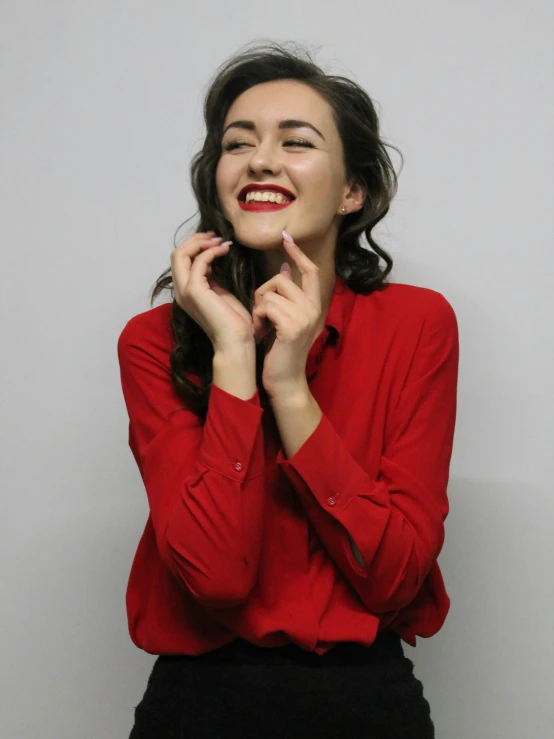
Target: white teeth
(272, 197)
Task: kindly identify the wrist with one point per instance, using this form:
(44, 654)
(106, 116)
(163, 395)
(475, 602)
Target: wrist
(237, 352)
(234, 370)
(295, 395)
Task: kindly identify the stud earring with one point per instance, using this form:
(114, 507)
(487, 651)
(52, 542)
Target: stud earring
(343, 209)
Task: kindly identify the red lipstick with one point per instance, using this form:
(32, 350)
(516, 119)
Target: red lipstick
(263, 205)
(257, 205)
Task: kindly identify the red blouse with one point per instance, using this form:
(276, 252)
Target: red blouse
(242, 541)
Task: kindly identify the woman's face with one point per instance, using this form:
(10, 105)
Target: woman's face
(306, 162)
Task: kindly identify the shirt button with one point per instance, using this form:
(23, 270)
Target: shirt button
(331, 501)
(238, 466)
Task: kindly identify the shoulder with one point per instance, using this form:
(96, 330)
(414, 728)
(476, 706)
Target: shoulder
(150, 330)
(410, 305)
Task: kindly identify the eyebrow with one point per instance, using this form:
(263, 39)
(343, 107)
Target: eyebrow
(288, 123)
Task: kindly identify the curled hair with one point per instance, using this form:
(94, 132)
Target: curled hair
(367, 164)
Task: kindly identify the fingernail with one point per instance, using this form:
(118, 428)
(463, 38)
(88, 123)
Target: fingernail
(226, 243)
(286, 235)
(286, 266)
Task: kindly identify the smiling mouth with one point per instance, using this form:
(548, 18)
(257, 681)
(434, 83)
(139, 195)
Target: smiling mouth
(263, 205)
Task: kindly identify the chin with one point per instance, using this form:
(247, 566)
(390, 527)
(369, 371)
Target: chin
(260, 241)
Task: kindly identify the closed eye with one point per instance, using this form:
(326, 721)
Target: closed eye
(292, 142)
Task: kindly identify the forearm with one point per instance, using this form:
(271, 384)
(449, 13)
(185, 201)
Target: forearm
(297, 415)
(235, 371)
(205, 534)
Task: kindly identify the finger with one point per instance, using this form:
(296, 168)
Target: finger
(274, 301)
(203, 260)
(192, 247)
(286, 270)
(203, 234)
(197, 240)
(279, 313)
(259, 323)
(182, 258)
(308, 270)
(281, 285)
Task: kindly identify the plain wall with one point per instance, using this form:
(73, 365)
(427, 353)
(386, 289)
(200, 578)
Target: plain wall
(101, 113)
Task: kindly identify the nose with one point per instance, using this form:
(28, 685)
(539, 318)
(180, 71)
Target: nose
(264, 158)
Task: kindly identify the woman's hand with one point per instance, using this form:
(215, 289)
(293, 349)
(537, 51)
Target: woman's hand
(223, 317)
(295, 313)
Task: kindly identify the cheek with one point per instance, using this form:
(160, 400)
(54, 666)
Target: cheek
(222, 188)
(315, 180)
(225, 181)
(219, 179)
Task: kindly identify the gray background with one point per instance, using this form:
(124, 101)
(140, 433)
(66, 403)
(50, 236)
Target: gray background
(100, 117)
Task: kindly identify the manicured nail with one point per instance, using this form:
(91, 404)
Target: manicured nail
(287, 236)
(226, 243)
(286, 266)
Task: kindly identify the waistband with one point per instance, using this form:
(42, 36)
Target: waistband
(241, 651)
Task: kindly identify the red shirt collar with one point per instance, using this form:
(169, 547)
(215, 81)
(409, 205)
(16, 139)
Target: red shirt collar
(336, 321)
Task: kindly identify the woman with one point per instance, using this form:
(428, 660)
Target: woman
(292, 416)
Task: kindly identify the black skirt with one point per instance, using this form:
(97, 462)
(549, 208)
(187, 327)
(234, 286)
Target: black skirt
(249, 692)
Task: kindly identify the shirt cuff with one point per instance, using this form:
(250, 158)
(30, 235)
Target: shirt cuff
(323, 471)
(232, 444)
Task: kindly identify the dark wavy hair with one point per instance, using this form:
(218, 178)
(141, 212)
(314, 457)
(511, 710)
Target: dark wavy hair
(367, 163)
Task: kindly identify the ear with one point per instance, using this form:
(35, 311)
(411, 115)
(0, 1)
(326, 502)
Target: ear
(354, 198)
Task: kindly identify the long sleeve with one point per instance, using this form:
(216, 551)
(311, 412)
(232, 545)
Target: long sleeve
(204, 483)
(396, 520)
